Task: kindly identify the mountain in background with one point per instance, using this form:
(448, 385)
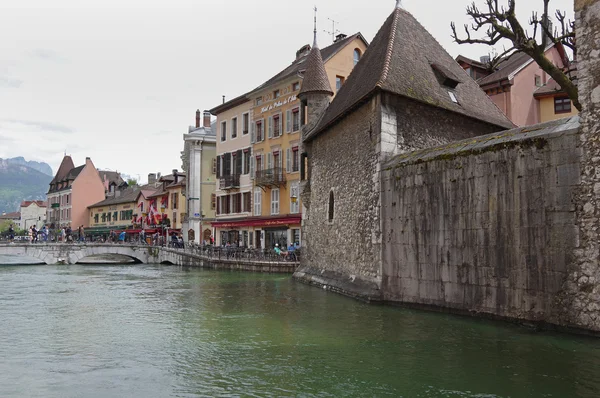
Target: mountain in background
(22, 180)
(39, 166)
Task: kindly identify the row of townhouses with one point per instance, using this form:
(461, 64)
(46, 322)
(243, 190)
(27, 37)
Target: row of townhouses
(100, 201)
(255, 196)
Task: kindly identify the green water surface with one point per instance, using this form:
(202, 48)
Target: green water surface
(154, 331)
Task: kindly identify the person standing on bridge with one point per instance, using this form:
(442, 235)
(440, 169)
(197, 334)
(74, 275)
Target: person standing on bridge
(122, 237)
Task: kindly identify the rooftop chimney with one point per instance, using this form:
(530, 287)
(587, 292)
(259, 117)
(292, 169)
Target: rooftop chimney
(206, 119)
(339, 37)
(198, 118)
(151, 178)
(175, 175)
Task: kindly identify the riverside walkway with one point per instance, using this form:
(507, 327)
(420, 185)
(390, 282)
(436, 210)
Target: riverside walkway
(214, 258)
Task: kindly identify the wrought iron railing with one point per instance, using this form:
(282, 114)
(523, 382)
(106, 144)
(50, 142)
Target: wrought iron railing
(230, 181)
(270, 177)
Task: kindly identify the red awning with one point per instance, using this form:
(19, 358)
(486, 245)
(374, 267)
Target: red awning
(259, 222)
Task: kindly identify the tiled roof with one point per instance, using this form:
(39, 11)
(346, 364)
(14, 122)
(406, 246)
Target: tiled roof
(399, 61)
(128, 195)
(160, 192)
(39, 203)
(315, 78)
(299, 65)
(65, 166)
(505, 68)
(111, 176)
(75, 172)
(10, 216)
(552, 87)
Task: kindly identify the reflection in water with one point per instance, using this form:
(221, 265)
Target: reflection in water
(148, 331)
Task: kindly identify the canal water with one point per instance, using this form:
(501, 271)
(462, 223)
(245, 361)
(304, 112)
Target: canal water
(159, 331)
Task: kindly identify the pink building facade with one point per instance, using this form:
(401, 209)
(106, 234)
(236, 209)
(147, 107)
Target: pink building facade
(71, 191)
(512, 85)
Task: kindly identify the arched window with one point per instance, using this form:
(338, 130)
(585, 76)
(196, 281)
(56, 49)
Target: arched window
(356, 56)
(331, 206)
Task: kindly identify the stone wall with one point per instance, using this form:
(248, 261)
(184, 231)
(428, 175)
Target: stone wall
(411, 125)
(583, 290)
(344, 254)
(485, 225)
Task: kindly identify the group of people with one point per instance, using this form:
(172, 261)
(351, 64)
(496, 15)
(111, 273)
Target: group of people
(289, 254)
(44, 234)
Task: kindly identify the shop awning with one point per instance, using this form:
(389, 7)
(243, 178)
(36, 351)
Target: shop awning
(259, 222)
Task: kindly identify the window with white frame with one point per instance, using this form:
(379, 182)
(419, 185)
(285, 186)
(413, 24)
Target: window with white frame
(260, 131)
(295, 198)
(275, 201)
(223, 131)
(257, 201)
(234, 127)
(276, 125)
(295, 119)
(245, 123)
(295, 159)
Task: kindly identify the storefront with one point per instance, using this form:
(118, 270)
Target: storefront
(263, 232)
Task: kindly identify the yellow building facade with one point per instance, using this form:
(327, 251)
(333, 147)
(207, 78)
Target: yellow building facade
(114, 213)
(276, 139)
(555, 107)
(258, 195)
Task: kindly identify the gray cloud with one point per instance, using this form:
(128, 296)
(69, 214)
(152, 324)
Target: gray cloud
(8, 82)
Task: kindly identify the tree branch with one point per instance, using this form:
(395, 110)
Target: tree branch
(502, 24)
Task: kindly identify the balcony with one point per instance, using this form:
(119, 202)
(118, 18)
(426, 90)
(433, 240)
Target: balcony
(269, 178)
(229, 182)
(55, 205)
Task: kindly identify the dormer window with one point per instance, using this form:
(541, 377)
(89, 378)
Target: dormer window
(444, 76)
(357, 55)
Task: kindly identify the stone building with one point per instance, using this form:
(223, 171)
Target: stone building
(406, 93)
(33, 213)
(198, 159)
(504, 225)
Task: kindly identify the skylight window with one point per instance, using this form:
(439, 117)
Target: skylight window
(453, 97)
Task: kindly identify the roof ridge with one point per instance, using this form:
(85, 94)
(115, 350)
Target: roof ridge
(389, 51)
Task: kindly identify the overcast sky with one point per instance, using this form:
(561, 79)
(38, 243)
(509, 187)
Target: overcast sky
(120, 80)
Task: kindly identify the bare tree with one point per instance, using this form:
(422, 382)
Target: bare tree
(502, 24)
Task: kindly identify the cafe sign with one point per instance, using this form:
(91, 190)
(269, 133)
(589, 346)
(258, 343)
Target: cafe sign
(278, 104)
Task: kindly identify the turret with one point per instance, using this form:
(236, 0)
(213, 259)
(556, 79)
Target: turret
(316, 92)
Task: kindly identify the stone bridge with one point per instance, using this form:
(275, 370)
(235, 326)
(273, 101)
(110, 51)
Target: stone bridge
(75, 253)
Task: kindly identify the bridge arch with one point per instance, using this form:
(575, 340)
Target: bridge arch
(73, 253)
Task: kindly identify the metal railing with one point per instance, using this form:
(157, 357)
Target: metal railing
(230, 181)
(270, 177)
(240, 253)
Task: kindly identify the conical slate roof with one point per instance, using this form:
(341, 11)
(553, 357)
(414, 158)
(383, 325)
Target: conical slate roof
(404, 59)
(63, 170)
(315, 78)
